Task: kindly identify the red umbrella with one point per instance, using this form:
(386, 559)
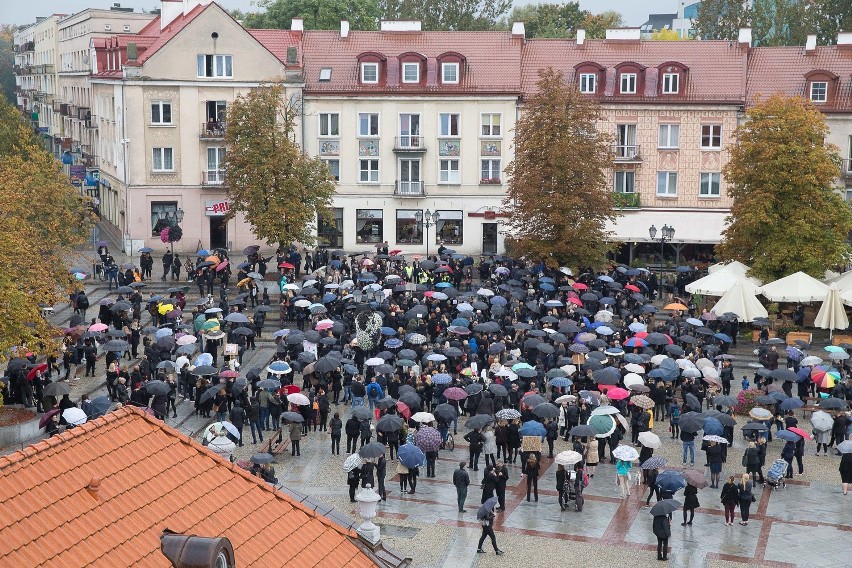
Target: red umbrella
(403, 409)
(800, 432)
(616, 393)
(455, 393)
(31, 375)
(576, 301)
(292, 389)
(579, 286)
(632, 288)
(229, 374)
(222, 265)
(45, 418)
(285, 265)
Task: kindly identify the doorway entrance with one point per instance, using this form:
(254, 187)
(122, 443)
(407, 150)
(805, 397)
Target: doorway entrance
(489, 238)
(218, 232)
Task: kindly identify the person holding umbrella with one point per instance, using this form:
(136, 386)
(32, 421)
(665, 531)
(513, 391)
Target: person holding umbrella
(476, 441)
(845, 465)
(662, 527)
(485, 516)
(622, 472)
(461, 479)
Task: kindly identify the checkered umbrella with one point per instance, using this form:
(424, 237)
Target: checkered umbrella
(428, 439)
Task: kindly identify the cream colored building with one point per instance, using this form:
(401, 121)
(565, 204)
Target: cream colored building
(36, 53)
(160, 99)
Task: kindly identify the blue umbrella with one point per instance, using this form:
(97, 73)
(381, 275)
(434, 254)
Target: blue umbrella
(328, 298)
(279, 367)
(605, 278)
(787, 435)
(460, 322)
(100, 406)
(203, 252)
(442, 379)
(670, 481)
(146, 249)
(560, 382)
(533, 428)
(791, 404)
(546, 279)
(281, 333)
(712, 427)
(443, 285)
(388, 331)
(411, 456)
(608, 301)
(498, 301)
(547, 287)
(203, 359)
(723, 337)
(367, 277)
(393, 343)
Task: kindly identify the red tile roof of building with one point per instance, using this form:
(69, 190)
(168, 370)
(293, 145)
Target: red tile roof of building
(277, 42)
(716, 69)
(492, 61)
(782, 70)
(152, 477)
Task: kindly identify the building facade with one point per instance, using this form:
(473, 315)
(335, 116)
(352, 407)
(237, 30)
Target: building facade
(36, 52)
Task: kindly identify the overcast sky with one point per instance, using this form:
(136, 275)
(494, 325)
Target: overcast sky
(24, 12)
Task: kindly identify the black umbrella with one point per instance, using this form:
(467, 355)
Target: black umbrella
(203, 370)
(754, 427)
(262, 458)
(57, 389)
(406, 389)
(724, 419)
(691, 422)
(157, 388)
(583, 430)
(274, 384)
(546, 411)
(784, 375)
(121, 306)
(362, 413)
(487, 508)
(389, 423)
(665, 507)
(373, 450)
(657, 339)
(725, 400)
(478, 422)
(116, 345)
(124, 290)
(832, 404)
(692, 402)
(326, 365)
(533, 400)
(607, 376)
(498, 390)
(100, 405)
(473, 388)
(386, 403)
(292, 417)
(445, 412)
(411, 400)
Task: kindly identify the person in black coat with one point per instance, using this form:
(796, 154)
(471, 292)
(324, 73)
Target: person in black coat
(238, 419)
(352, 479)
(476, 441)
(336, 428)
(690, 503)
(366, 432)
(353, 430)
(381, 473)
(662, 530)
(489, 484)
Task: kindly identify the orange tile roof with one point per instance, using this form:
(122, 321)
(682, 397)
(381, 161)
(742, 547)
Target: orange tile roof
(782, 70)
(716, 69)
(277, 42)
(152, 477)
(493, 60)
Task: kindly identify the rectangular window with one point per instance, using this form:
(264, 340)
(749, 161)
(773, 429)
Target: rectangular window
(329, 124)
(449, 124)
(669, 136)
(161, 112)
(410, 72)
(449, 72)
(491, 124)
(333, 168)
(626, 147)
(711, 136)
(450, 228)
(710, 184)
(670, 83)
(370, 73)
(369, 226)
(667, 184)
(628, 83)
(163, 214)
(330, 231)
(162, 160)
(409, 131)
(369, 171)
(410, 182)
(625, 182)
(215, 65)
(325, 75)
(215, 165)
(490, 171)
(819, 91)
(408, 229)
(448, 171)
(588, 83)
(368, 124)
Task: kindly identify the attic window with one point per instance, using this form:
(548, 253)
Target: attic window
(819, 91)
(370, 73)
(410, 72)
(325, 74)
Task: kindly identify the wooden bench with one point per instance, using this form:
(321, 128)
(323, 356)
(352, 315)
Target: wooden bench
(276, 443)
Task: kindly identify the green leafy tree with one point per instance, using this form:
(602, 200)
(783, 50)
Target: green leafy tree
(549, 20)
(7, 62)
(44, 217)
(780, 22)
(317, 14)
(279, 188)
(721, 19)
(832, 16)
(787, 215)
(558, 199)
(596, 25)
(458, 15)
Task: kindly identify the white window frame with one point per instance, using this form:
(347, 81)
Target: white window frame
(493, 174)
(370, 174)
(710, 180)
(161, 153)
(715, 135)
(215, 171)
(330, 123)
(490, 124)
(406, 67)
(220, 66)
(814, 95)
(588, 83)
(671, 83)
(361, 134)
(455, 67)
(620, 186)
(372, 65)
(627, 83)
(449, 131)
(160, 106)
(668, 182)
(447, 173)
(668, 136)
(328, 162)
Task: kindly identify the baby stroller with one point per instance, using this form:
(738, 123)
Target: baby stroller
(775, 476)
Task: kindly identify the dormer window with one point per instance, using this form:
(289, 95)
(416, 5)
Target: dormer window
(819, 91)
(370, 73)
(588, 83)
(671, 83)
(628, 83)
(411, 72)
(450, 73)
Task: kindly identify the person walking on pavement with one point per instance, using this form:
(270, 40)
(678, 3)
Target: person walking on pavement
(690, 503)
(662, 530)
(502, 473)
(381, 472)
(336, 428)
(476, 441)
(353, 429)
(238, 418)
(730, 498)
(746, 497)
(167, 265)
(486, 518)
(295, 438)
(461, 479)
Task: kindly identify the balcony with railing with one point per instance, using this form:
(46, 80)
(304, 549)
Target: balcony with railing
(626, 153)
(846, 168)
(409, 189)
(212, 130)
(91, 121)
(622, 200)
(212, 178)
(409, 143)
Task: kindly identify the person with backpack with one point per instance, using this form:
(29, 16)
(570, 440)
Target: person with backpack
(674, 417)
(581, 481)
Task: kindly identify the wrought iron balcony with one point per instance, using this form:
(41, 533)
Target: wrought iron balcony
(409, 143)
(212, 178)
(409, 189)
(212, 130)
(626, 153)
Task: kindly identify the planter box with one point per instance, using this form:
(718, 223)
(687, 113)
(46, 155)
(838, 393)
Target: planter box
(801, 335)
(837, 339)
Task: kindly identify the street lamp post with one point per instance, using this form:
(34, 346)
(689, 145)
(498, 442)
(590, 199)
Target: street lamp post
(666, 234)
(428, 220)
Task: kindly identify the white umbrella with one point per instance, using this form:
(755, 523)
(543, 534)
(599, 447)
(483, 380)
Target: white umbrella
(423, 417)
(810, 361)
(631, 379)
(634, 368)
(832, 314)
(741, 300)
(298, 399)
(563, 398)
(658, 359)
(569, 369)
(719, 282)
(374, 362)
(484, 292)
(352, 462)
(302, 303)
(650, 440)
(735, 266)
(604, 409)
(186, 340)
(603, 316)
(797, 287)
(568, 458)
(625, 453)
(74, 416)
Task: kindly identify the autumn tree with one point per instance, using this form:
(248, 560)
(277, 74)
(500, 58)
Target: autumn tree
(7, 62)
(558, 199)
(549, 20)
(317, 14)
(666, 35)
(786, 215)
(279, 188)
(447, 15)
(44, 217)
(596, 25)
(780, 22)
(721, 19)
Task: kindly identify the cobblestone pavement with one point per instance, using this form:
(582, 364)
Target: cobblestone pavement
(808, 524)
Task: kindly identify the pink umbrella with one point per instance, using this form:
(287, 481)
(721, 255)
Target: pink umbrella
(576, 301)
(617, 393)
(222, 265)
(403, 409)
(229, 374)
(579, 286)
(98, 327)
(324, 325)
(455, 393)
(800, 432)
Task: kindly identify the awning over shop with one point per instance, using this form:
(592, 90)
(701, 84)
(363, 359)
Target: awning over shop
(691, 226)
